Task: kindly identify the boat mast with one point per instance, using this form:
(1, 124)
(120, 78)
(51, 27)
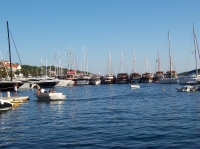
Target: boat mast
(122, 63)
(134, 63)
(83, 60)
(158, 61)
(195, 43)
(109, 64)
(9, 51)
(170, 60)
(146, 62)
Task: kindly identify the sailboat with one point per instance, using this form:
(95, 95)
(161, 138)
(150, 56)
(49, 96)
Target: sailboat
(194, 78)
(8, 85)
(84, 79)
(122, 77)
(171, 76)
(159, 74)
(147, 76)
(135, 76)
(109, 78)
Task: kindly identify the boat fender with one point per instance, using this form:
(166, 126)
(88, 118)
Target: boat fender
(8, 94)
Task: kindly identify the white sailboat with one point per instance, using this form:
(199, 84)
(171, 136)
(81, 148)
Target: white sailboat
(85, 78)
(170, 77)
(95, 80)
(192, 79)
(109, 78)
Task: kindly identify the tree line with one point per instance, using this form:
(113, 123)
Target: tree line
(27, 70)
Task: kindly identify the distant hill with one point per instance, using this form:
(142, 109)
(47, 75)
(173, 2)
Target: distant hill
(188, 72)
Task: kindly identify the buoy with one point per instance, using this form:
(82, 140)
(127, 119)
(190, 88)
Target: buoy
(163, 89)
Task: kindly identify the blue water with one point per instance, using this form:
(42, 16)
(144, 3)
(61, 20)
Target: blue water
(105, 116)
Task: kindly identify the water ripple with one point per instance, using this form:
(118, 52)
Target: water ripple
(105, 116)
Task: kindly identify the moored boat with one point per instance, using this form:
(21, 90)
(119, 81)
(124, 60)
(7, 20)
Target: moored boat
(159, 74)
(147, 76)
(8, 85)
(45, 82)
(134, 75)
(171, 76)
(122, 78)
(95, 80)
(83, 80)
(194, 77)
(109, 78)
(5, 105)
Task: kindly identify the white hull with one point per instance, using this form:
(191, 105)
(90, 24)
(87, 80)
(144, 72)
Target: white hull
(25, 86)
(189, 80)
(50, 96)
(5, 105)
(168, 81)
(96, 82)
(135, 86)
(82, 82)
(187, 88)
(64, 83)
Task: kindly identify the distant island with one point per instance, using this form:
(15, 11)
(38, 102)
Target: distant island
(188, 72)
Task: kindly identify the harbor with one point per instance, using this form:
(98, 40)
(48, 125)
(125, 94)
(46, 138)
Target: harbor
(99, 74)
(105, 116)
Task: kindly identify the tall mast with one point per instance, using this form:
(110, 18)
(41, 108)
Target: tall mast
(146, 62)
(83, 60)
(170, 59)
(195, 49)
(109, 64)
(158, 61)
(122, 63)
(134, 62)
(9, 51)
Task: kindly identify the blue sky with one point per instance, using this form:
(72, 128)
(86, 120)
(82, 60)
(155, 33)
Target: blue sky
(40, 27)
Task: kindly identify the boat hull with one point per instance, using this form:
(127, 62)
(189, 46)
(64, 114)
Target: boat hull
(122, 81)
(109, 80)
(82, 82)
(168, 81)
(9, 85)
(64, 83)
(5, 105)
(135, 86)
(50, 96)
(96, 82)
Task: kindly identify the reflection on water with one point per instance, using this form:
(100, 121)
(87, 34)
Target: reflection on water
(105, 116)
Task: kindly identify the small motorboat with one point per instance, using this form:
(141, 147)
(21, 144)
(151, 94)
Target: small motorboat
(187, 88)
(5, 105)
(135, 85)
(50, 96)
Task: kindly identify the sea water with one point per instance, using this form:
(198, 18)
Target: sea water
(105, 116)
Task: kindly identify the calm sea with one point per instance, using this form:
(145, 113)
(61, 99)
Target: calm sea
(105, 116)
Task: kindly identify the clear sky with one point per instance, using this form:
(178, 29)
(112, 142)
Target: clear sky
(41, 28)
